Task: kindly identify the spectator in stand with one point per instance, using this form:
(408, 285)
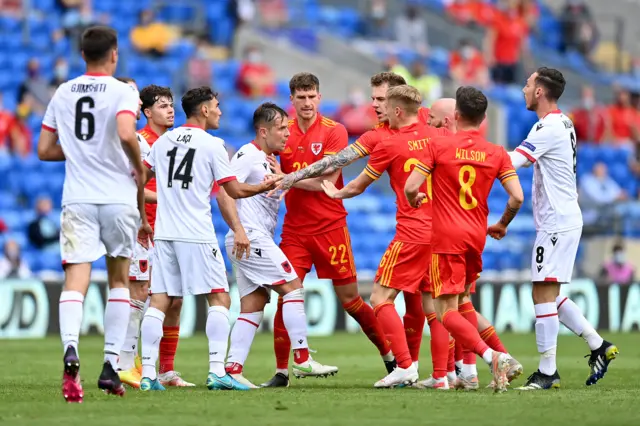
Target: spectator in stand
(11, 264)
(357, 114)
(618, 270)
(60, 73)
(471, 12)
(377, 22)
(199, 71)
(530, 12)
(15, 135)
(393, 65)
(598, 191)
(77, 15)
(43, 232)
(36, 87)
(467, 66)
(506, 42)
(255, 79)
(429, 85)
(241, 12)
(273, 13)
(622, 118)
(151, 36)
(11, 8)
(590, 119)
(579, 31)
(411, 31)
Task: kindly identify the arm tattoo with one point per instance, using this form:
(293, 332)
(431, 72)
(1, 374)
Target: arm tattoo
(508, 215)
(327, 164)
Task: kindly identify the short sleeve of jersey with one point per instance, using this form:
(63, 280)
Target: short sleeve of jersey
(367, 142)
(144, 146)
(49, 120)
(427, 159)
(129, 100)
(221, 166)
(537, 142)
(241, 166)
(150, 160)
(506, 171)
(378, 162)
(337, 140)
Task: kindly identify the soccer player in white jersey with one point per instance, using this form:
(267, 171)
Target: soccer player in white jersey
(268, 267)
(94, 116)
(551, 148)
(187, 259)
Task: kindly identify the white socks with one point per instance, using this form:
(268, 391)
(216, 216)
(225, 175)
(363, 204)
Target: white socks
(218, 334)
(70, 312)
(470, 369)
(295, 319)
(571, 316)
(151, 333)
(547, 328)
(129, 349)
(244, 330)
(116, 318)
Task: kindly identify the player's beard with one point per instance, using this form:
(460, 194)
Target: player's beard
(533, 105)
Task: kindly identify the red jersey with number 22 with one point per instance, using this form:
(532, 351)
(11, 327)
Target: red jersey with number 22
(312, 212)
(396, 155)
(463, 168)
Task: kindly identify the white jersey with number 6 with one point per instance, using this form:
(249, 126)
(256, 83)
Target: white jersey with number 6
(83, 112)
(551, 147)
(186, 161)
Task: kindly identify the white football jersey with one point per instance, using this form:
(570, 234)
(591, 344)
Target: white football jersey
(259, 212)
(83, 112)
(551, 147)
(144, 146)
(186, 161)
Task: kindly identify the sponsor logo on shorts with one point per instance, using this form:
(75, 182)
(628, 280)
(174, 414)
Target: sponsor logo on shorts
(214, 252)
(144, 266)
(258, 252)
(554, 239)
(539, 267)
(343, 270)
(286, 266)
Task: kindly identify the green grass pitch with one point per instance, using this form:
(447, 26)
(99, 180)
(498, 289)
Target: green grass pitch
(31, 371)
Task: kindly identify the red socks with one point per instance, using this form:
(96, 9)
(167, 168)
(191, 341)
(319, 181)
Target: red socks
(469, 313)
(366, 317)
(281, 342)
(451, 361)
(464, 332)
(491, 338)
(413, 321)
(301, 355)
(168, 348)
(439, 346)
(390, 321)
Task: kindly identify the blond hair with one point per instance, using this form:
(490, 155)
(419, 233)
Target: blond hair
(408, 97)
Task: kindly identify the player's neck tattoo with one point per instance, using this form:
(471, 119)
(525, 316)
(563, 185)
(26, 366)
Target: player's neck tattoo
(508, 215)
(327, 165)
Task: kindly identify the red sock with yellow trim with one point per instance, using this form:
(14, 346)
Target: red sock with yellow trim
(469, 358)
(491, 338)
(364, 315)
(439, 346)
(413, 321)
(281, 341)
(451, 361)
(168, 348)
(464, 332)
(390, 321)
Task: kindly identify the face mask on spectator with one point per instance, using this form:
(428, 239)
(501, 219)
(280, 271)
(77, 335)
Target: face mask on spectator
(61, 71)
(619, 257)
(254, 57)
(13, 254)
(466, 52)
(588, 103)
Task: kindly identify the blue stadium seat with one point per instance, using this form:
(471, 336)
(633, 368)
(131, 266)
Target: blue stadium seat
(100, 264)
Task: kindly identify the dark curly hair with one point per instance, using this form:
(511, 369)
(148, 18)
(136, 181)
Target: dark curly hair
(152, 93)
(192, 100)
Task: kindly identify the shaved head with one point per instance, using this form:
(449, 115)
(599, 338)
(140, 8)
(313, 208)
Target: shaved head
(442, 113)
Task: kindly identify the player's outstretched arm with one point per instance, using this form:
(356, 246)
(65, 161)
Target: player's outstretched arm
(516, 198)
(48, 147)
(352, 189)
(328, 164)
(518, 160)
(227, 206)
(412, 188)
(237, 189)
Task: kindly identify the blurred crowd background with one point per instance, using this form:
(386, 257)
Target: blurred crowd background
(248, 49)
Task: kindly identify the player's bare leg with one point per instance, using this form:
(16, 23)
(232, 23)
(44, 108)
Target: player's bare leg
(382, 299)
(461, 330)
(129, 374)
(116, 318)
(355, 306)
(77, 278)
(439, 347)
(243, 332)
(169, 346)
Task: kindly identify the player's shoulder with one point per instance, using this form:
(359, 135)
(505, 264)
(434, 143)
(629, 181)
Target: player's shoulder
(331, 125)
(141, 139)
(247, 152)
(291, 122)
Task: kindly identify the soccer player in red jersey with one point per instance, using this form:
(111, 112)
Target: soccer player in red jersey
(462, 168)
(414, 318)
(405, 264)
(315, 228)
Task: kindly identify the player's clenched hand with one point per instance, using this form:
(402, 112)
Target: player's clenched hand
(241, 245)
(417, 201)
(497, 231)
(145, 233)
(274, 165)
(329, 188)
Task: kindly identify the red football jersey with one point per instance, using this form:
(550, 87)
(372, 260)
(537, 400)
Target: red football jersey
(312, 212)
(396, 155)
(151, 137)
(463, 168)
(368, 141)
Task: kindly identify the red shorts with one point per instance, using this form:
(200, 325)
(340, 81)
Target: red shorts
(451, 273)
(330, 252)
(405, 266)
(472, 289)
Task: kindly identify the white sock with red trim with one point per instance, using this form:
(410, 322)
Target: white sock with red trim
(130, 347)
(242, 334)
(570, 315)
(70, 313)
(295, 321)
(547, 328)
(217, 329)
(150, 335)
(116, 318)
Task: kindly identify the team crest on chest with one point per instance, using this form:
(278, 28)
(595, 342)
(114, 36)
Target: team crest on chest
(316, 148)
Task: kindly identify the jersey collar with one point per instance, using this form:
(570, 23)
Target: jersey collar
(313, 125)
(193, 126)
(256, 145)
(555, 111)
(96, 74)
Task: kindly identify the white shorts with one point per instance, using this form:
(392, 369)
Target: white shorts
(88, 231)
(182, 269)
(554, 256)
(267, 265)
(140, 263)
